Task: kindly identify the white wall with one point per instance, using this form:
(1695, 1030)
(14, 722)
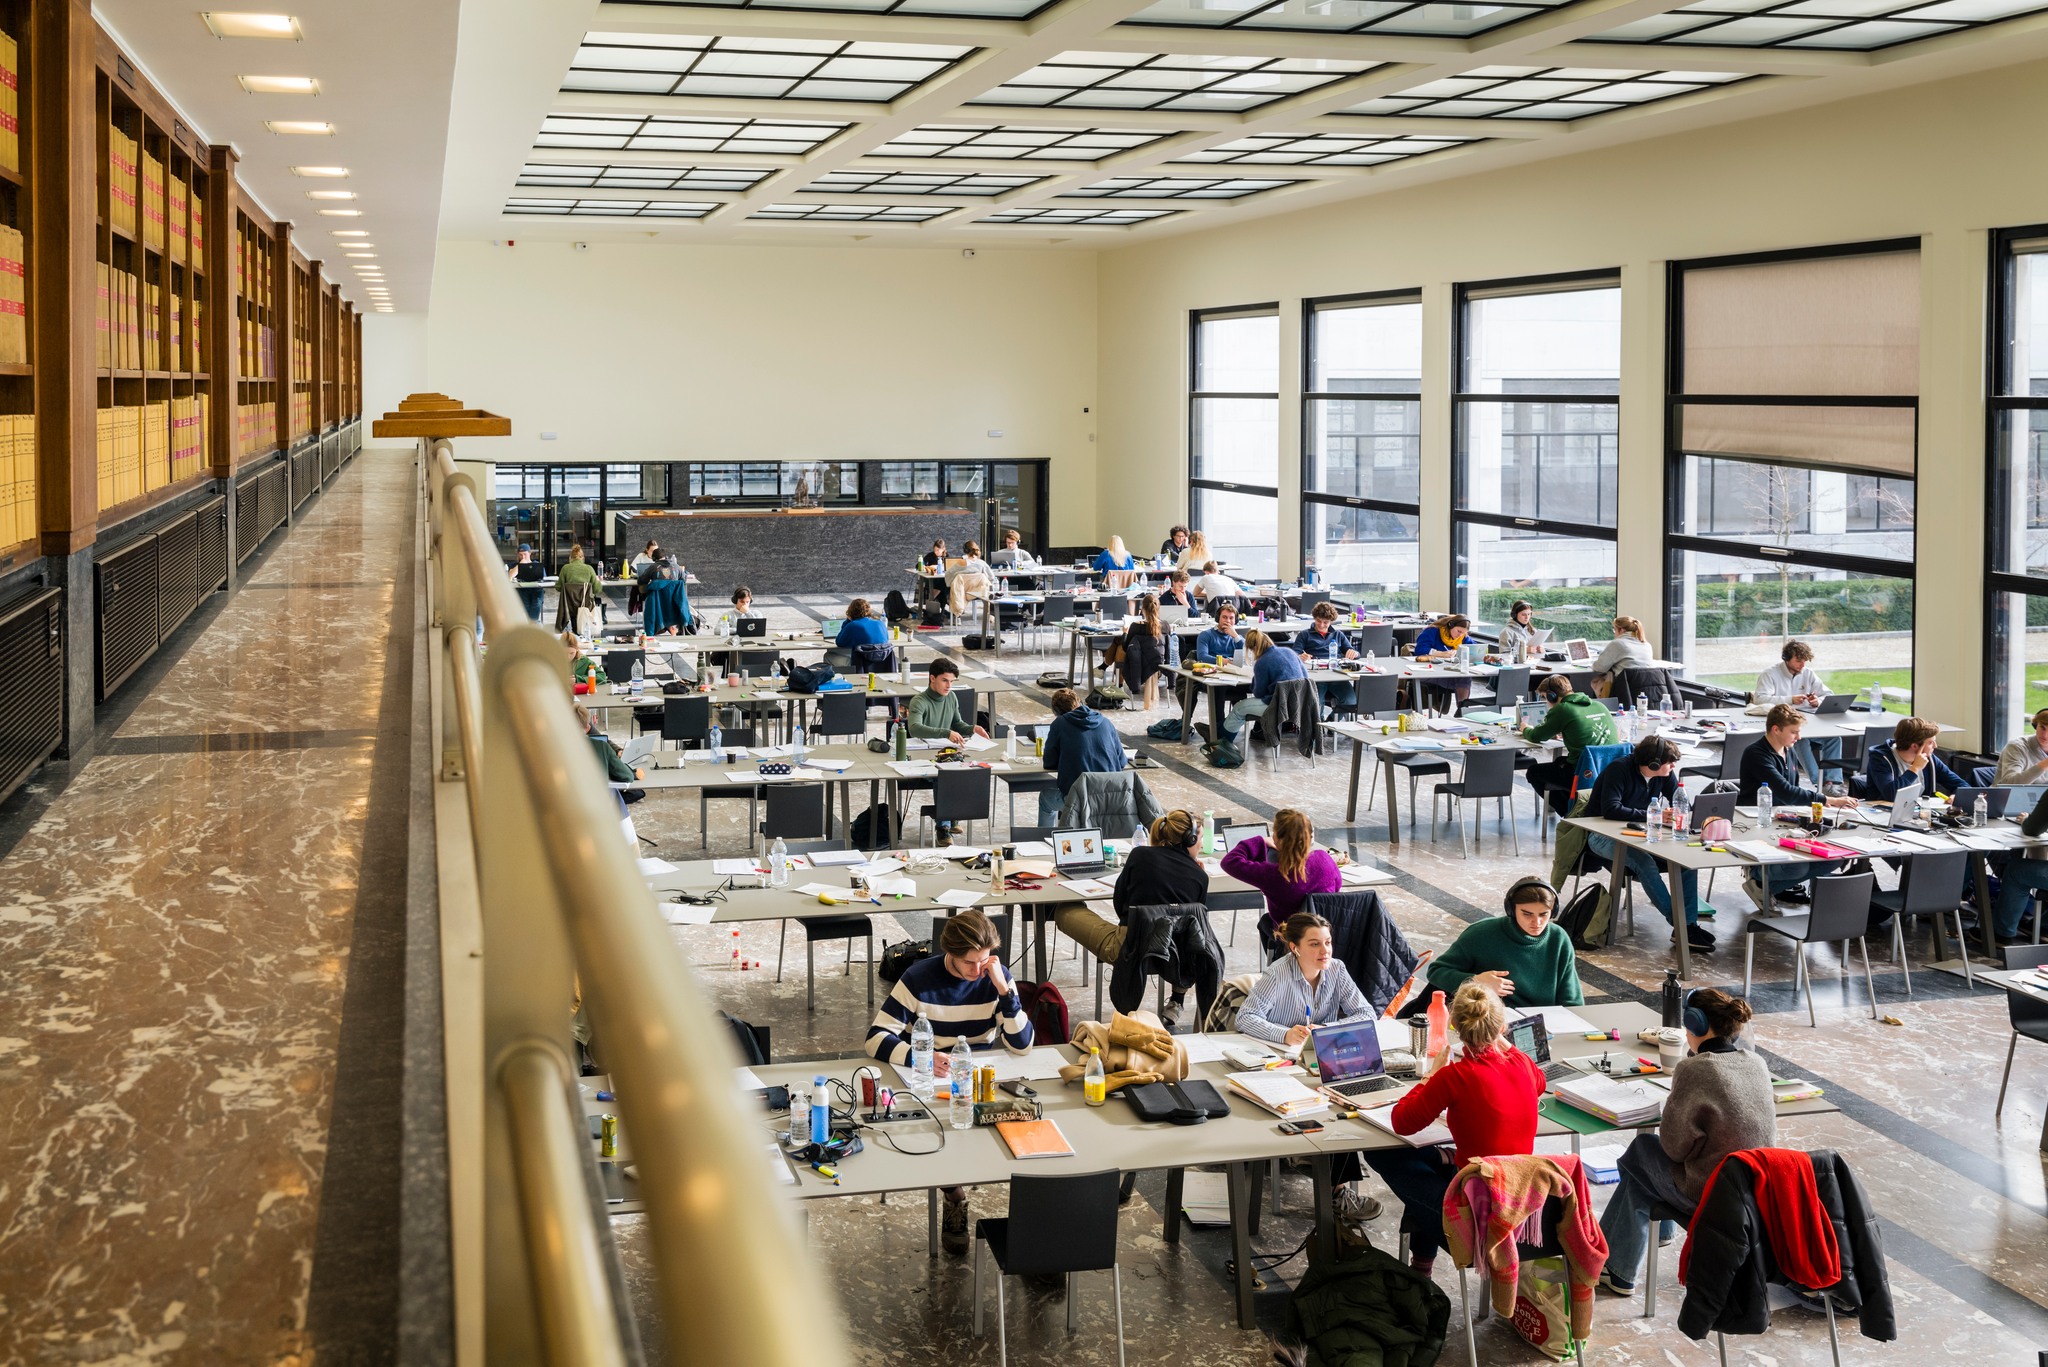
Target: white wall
(394, 364)
(1944, 162)
(664, 352)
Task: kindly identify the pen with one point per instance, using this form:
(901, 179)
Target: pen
(1649, 1064)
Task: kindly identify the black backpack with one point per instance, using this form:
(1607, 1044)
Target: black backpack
(872, 829)
(895, 608)
(1577, 914)
(805, 679)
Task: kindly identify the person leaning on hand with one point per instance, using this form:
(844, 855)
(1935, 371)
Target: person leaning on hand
(2025, 758)
(1523, 957)
(1768, 766)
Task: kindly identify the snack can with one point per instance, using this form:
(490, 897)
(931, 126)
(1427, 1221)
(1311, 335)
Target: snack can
(1820, 810)
(607, 1136)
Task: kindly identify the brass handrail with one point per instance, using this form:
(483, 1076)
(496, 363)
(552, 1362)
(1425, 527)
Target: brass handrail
(729, 1263)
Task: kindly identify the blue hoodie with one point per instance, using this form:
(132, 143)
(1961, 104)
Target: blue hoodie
(1082, 742)
(1275, 666)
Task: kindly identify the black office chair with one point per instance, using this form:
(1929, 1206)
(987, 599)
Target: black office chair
(849, 928)
(1931, 886)
(841, 714)
(959, 795)
(1840, 911)
(1371, 639)
(1114, 605)
(686, 719)
(1488, 773)
(2028, 1014)
(839, 657)
(1309, 599)
(1056, 1225)
(1728, 766)
(618, 664)
(967, 706)
(755, 664)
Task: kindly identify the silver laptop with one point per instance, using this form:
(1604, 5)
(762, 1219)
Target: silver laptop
(1834, 704)
(1906, 807)
(1077, 852)
(1578, 650)
(1233, 836)
(1175, 613)
(1348, 1061)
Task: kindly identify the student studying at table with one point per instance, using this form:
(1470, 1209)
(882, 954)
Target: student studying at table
(1271, 667)
(1440, 640)
(743, 604)
(1629, 647)
(1518, 637)
(1176, 542)
(2019, 877)
(582, 668)
(1195, 554)
(934, 714)
(1307, 986)
(2025, 758)
(1623, 792)
(966, 994)
(1148, 649)
(1908, 757)
(1288, 870)
(1012, 556)
(1215, 584)
(1576, 720)
(526, 575)
(1115, 565)
(1177, 594)
(1768, 764)
(1323, 641)
(1163, 872)
(1792, 680)
(1079, 741)
(1721, 1103)
(1220, 642)
(1487, 1098)
(861, 627)
(1523, 956)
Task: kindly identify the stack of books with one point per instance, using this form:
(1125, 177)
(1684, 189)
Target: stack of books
(1621, 1104)
(10, 103)
(1281, 1093)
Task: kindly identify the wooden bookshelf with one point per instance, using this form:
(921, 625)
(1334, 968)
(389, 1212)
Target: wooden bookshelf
(19, 526)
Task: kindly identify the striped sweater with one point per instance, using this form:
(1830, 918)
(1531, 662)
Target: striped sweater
(957, 1009)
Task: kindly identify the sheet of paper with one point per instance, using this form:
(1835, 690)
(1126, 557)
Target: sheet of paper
(978, 743)
(1033, 849)
(1203, 1048)
(830, 766)
(747, 1081)
(831, 858)
(725, 866)
(651, 867)
(1088, 887)
(1205, 1198)
(773, 751)
(1213, 867)
(1562, 1021)
(1040, 1065)
(1981, 840)
(785, 1175)
(977, 673)
(958, 897)
(913, 768)
(1383, 1118)
(1763, 852)
(1393, 1033)
(686, 914)
(814, 890)
(893, 887)
(874, 868)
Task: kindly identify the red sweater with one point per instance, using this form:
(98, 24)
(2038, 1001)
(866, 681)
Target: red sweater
(1491, 1098)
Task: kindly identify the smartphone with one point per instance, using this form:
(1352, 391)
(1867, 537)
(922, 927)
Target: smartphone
(1301, 1127)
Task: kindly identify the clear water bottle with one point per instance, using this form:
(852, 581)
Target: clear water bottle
(1980, 813)
(778, 864)
(639, 676)
(1664, 703)
(1763, 810)
(921, 1081)
(1138, 837)
(1681, 804)
(821, 1111)
(797, 745)
(716, 740)
(1655, 820)
(960, 1086)
(799, 1114)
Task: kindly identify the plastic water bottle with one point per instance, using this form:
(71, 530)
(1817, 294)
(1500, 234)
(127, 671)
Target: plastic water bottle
(639, 676)
(1655, 820)
(922, 1083)
(1094, 1082)
(821, 1111)
(1664, 703)
(716, 740)
(1763, 810)
(960, 1085)
(799, 1114)
(778, 863)
(797, 745)
(1980, 812)
(1681, 803)
(1138, 837)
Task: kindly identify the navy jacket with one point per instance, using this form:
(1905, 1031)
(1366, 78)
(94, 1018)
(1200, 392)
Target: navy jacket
(1761, 766)
(1621, 793)
(1317, 645)
(1082, 742)
(1275, 666)
(1883, 775)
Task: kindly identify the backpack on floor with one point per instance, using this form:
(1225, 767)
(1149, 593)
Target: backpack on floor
(900, 956)
(1166, 729)
(1107, 698)
(1046, 1009)
(895, 608)
(1221, 754)
(872, 829)
(972, 642)
(934, 616)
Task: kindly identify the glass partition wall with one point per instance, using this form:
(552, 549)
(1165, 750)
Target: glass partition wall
(1536, 450)
(1234, 436)
(2016, 641)
(1361, 439)
(1791, 457)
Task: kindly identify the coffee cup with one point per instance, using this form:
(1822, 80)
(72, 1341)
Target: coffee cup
(1670, 1047)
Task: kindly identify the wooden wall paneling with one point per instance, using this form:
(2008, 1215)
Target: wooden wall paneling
(224, 355)
(283, 313)
(66, 136)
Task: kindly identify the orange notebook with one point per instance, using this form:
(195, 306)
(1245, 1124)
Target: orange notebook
(1034, 1139)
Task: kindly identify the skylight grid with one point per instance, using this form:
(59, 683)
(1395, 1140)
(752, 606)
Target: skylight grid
(1846, 25)
(959, 9)
(1528, 92)
(666, 133)
(854, 213)
(1016, 142)
(916, 183)
(1124, 80)
(1079, 218)
(1175, 187)
(606, 208)
(755, 68)
(598, 175)
(1318, 149)
(1339, 16)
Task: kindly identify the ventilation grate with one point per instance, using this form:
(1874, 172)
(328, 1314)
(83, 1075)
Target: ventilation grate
(124, 613)
(31, 686)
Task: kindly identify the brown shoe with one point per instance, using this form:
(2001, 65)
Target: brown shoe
(953, 1225)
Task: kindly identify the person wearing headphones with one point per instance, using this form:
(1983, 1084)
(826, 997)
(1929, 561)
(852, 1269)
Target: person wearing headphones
(1517, 635)
(1523, 957)
(1721, 1102)
(1163, 872)
(1623, 792)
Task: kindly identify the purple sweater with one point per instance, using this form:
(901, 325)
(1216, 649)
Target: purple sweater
(1251, 862)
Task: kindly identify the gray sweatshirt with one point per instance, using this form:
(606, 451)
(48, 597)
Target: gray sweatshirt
(1721, 1101)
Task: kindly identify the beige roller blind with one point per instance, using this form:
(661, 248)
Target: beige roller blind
(1844, 325)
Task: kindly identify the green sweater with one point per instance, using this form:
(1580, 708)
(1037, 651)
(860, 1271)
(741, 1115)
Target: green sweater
(934, 717)
(1579, 720)
(1544, 969)
(576, 572)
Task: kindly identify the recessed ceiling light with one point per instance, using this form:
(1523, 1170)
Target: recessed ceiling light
(350, 232)
(343, 213)
(279, 85)
(323, 172)
(330, 194)
(360, 256)
(241, 25)
(298, 126)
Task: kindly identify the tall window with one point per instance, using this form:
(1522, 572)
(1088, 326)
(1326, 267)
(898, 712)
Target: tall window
(1361, 438)
(2016, 672)
(1234, 436)
(1537, 436)
(1791, 458)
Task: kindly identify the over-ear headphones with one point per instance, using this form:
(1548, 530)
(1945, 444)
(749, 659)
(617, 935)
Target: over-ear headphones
(1694, 1018)
(1520, 885)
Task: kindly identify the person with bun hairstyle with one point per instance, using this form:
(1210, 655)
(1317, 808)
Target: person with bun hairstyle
(1487, 1097)
(1288, 869)
(1629, 647)
(1721, 1101)
(1164, 872)
(1524, 957)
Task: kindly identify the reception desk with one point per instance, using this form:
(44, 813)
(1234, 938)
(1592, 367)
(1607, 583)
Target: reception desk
(798, 550)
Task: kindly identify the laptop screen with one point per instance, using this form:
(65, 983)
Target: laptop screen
(1080, 846)
(1234, 835)
(829, 628)
(1531, 1036)
(1344, 1052)
(1579, 650)
(1533, 713)
(1906, 804)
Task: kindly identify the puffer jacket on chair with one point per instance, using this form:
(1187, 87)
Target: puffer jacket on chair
(1111, 803)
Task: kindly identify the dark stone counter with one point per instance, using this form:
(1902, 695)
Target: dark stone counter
(810, 550)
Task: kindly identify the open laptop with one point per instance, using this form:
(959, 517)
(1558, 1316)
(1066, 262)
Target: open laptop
(754, 627)
(1578, 650)
(1833, 705)
(1906, 807)
(1077, 852)
(1995, 801)
(1173, 613)
(2022, 798)
(1235, 835)
(829, 627)
(1533, 713)
(1707, 806)
(1532, 1036)
(1348, 1061)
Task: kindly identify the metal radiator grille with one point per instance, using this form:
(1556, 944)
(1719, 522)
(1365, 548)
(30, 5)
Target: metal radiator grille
(177, 575)
(31, 686)
(124, 610)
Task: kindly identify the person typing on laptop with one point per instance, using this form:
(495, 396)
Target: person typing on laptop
(1523, 956)
(1792, 680)
(1908, 758)
(1220, 642)
(1768, 764)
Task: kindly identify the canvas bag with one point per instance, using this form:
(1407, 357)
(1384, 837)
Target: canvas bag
(1543, 1308)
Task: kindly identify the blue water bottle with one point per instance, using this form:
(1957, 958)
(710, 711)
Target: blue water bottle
(821, 1111)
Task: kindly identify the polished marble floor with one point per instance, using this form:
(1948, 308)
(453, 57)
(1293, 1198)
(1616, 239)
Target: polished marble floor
(181, 917)
(1962, 1195)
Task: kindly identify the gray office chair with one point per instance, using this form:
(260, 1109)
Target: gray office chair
(1056, 1225)
(1372, 639)
(1309, 599)
(2029, 1015)
(1729, 766)
(1510, 684)
(686, 719)
(748, 793)
(1114, 605)
(1490, 773)
(1378, 695)
(1052, 610)
(1840, 911)
(1931, 886)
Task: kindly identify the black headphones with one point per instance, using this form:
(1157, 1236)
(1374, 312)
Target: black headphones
(1512, 895)
(1695, 1019)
